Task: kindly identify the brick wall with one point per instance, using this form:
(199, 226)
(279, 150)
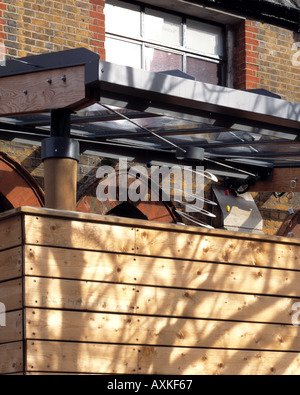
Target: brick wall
(263, 56)
(29, 156)
(246, 56)
(263, 59)
(36, 26)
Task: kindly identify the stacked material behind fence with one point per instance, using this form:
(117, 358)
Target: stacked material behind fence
(90, 294)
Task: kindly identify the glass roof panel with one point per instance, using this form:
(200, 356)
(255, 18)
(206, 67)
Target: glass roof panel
(123, 129)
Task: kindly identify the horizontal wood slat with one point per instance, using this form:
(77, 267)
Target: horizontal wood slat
(162, 331)
(78, 234)
(10, 263)
(10, 232)
(81, 357)
(11, 358)
(133, 299)
(134, 269)
(11, 294)
(13, 331)
(210, 247)
(128, 359)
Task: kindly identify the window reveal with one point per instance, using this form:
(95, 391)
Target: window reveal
(155, 40)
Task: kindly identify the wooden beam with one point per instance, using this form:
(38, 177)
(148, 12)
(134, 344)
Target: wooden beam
(40, 91)
(282, 181)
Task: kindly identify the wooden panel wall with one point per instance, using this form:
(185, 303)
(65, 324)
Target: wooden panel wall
(104, 295)
(11, 335)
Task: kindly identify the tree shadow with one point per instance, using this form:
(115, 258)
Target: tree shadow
(179, 300)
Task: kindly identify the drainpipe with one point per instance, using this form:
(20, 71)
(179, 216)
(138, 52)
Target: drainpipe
(60, 155)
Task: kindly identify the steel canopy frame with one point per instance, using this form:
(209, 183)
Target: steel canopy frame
(76, 79)
(163, 94)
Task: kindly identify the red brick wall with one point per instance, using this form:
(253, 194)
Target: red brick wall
(36, 26)
(246, 56)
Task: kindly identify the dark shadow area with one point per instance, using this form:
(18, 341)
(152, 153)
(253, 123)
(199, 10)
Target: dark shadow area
(5, 205)
(127, 210)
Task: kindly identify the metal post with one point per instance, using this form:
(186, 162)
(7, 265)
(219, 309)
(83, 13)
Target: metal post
(60, 155)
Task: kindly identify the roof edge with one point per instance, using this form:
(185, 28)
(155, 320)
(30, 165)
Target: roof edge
(264, 11)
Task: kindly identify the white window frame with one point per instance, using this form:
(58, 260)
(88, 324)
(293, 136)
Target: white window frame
(220, 59)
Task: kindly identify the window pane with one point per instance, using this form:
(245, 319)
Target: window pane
(157, 60)
(205, 38)
(123, 19)
(163, 27)
(204, 71)
(122, 52)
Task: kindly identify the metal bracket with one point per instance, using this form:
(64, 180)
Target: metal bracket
(60, 145)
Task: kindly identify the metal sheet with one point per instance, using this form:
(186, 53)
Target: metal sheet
(168, 95)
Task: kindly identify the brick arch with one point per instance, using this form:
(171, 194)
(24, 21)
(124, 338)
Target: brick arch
(17, 187)
(156, 211)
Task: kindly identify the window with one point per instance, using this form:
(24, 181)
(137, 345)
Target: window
(142, 37)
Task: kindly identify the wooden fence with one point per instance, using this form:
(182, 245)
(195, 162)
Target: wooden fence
(87, 294)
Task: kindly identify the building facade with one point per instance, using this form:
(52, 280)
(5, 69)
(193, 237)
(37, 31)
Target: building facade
(212, 41)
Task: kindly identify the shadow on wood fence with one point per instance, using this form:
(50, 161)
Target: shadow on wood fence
(87, 294)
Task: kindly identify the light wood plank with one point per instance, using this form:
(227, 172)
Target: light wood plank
(11, 294)
(133, 299)
(57, 232)
(140, 224)
(163, 331)
(97, 266)
(79, 234)
(112, 359)
(13, 331)
(81, 357)
(194, 361)
(10, 232)
(11, 358)
(10, 263)
(222, 249)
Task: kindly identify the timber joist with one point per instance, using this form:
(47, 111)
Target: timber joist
(37, 84)
(41, 91)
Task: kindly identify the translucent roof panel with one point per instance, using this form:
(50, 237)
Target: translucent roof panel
(148, 116)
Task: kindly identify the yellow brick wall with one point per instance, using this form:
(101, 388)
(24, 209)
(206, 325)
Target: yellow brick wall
(274, 210)
(276, 72)
(263, 57)
(36, 26)
(39, 26)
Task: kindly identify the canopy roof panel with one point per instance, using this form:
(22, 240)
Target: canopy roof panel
(148, 117)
